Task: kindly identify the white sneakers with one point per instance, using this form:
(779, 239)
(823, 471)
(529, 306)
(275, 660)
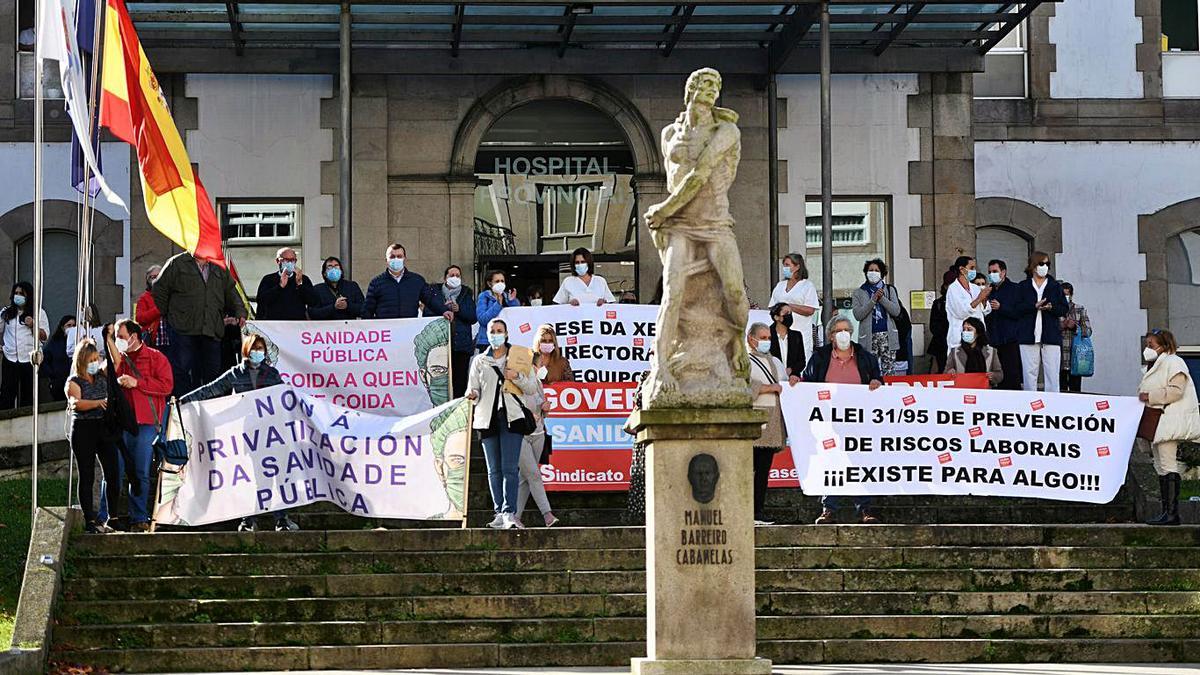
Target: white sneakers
(497, 522)
(505, 521)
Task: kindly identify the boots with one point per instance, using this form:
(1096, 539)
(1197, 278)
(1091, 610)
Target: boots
(1168, 486)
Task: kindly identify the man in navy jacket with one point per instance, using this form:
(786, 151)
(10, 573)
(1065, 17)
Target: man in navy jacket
(287, 294)
(395, 294)
(1003, 323)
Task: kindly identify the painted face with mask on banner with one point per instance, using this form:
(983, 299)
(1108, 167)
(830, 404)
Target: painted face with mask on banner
(432, 350)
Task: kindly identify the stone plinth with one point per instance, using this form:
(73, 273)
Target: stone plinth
(700, 610)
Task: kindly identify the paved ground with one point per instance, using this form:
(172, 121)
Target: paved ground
(886, 669)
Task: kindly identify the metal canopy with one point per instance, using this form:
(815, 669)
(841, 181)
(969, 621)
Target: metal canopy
(613, 27)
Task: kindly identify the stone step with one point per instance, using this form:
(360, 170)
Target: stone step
(618, 629)
(788, 603)
(630, 537)
(632, 581)
(617, 654)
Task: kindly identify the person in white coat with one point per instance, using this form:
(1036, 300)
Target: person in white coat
(964, 299)
(798, 293)
(495, 410)
(584, 286)
(1167, 385)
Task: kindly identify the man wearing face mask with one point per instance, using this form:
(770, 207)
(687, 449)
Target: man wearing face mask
(1003, 323)
(395, 294)
(286, 294)
(455, 302)
(842, 361)
(145, 376)
(337, 297)
(767, 377)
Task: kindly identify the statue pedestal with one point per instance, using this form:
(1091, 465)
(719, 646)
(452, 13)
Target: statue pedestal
(700, 608)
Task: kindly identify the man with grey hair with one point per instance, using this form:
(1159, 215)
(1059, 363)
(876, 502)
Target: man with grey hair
(286, 294)
(767, 376)
(843, 361)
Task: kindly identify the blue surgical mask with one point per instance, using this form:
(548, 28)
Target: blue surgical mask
(257, 356)
(971, 274)
(764, 347)
(94, 367)
(396, 264)
(994, 277)
(785, 273)
(497, 340)
(581, 269)
(289, 266)
(19, 300)
(968, 336)
(334, 274)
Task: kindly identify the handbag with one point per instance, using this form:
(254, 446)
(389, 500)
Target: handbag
(522, 426)
(1148, 425)
(1083, 357)
(170, 446)
(547, 448)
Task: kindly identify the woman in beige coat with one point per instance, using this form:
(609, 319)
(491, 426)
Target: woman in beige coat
(1167, 385)
(975, 355)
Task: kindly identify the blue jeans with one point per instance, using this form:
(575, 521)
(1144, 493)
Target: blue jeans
(861, 504)
(103, 513)
(503, 455)
(139, 451)
(199, 360)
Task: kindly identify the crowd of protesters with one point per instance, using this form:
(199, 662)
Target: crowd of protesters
(1019, 334)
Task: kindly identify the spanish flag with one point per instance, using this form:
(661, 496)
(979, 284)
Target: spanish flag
(133, 107)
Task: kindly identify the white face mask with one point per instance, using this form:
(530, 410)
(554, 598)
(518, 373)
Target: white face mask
(1042, 270)
(842, 339)
(498, 287)
(968, 336)
(453, 282)
(122, 345)
(536, 302)
(874, 276)
(1150, 355)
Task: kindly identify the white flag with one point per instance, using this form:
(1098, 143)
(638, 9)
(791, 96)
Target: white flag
(57, 43)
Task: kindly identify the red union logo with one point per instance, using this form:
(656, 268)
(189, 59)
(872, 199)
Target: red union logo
(610, 314)
(572, 340)
(1101, 405)
(1005, 461)
(525, 328)
(945, 458)
(829, 444)
(909, 400)
(1037, 405)
(1102, 451)
(638, 342)
(969, 399)
(824, 395)
(976, 432)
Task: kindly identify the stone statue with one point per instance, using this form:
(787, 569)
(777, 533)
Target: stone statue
(700, 356)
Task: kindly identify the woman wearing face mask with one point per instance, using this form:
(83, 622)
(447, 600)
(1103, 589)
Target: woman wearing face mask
(253, 373)
(964, 299)
(335, 297)
(455, 302)
(876, 306)
(56, 363)
(799, 294)
(534, 293)
(495, 412)
(975, 355)
(1040, 304)
(1075, 321)
(550, 358)
(531, 449)
(1167, 385)
(786, 344)
(21, 337)
(843, 361)
(583, 287)
(767, 377)
(87, 403)
(494, 298)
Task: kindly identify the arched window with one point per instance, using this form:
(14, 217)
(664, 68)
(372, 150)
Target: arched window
(60, 270)
(1002, 243)
(1183, 286)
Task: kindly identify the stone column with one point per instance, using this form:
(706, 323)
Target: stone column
(700, 606)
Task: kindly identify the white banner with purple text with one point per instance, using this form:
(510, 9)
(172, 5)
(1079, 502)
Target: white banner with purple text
(847, 440)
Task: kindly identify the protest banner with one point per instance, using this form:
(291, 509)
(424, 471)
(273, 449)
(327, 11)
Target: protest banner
(847, 440)
(958, 381)
(387, 366)
(607, 343)
(586, 423)
(277, 448)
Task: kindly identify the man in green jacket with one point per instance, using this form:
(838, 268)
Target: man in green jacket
(195, 296)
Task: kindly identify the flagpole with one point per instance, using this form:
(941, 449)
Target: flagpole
(35, 358)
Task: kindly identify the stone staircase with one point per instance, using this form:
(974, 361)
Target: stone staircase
(575, 596)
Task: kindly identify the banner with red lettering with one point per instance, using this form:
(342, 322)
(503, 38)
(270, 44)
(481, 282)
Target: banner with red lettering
(586, 423)
(386, 366)
(960, 381)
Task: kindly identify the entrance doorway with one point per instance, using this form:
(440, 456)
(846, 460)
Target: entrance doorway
(555, 175)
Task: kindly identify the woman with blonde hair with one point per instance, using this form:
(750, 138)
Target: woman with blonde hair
(1167, 386)
(87, 403)
(550, 357)
(550, 367)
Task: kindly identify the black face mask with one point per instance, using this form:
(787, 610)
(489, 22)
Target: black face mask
(786, 320)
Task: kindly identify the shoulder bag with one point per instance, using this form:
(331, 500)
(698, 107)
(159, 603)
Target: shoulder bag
(524, 425)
